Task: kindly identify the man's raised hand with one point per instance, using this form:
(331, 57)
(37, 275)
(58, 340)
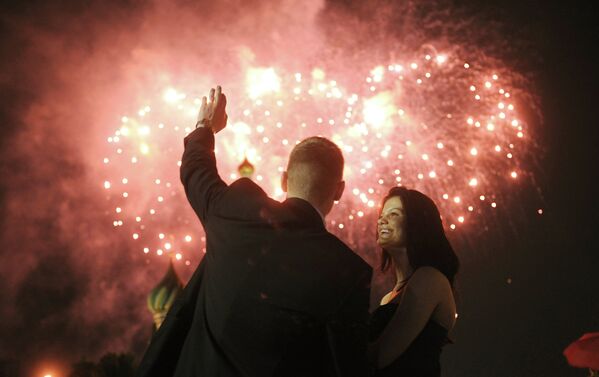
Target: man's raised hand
(212, 112)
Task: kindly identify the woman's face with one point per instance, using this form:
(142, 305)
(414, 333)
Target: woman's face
(391, 224)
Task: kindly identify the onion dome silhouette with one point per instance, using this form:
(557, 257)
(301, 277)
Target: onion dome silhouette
(163, 295)
(246, 169)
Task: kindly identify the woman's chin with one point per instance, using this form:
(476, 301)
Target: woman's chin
(382, 243)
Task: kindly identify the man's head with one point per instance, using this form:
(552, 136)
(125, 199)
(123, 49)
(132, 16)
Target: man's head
(315, 173)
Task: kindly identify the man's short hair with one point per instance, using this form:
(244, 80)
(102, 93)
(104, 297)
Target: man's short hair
(315, 167)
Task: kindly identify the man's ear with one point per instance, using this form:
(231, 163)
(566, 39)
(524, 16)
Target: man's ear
(340, 189)
(284, 178)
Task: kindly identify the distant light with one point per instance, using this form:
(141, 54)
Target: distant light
(261, 81)
(171, 95)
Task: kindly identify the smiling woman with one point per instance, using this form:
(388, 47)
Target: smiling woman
(411, 326)
(391, 223)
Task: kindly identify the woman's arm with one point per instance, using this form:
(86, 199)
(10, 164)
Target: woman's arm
(420, 297)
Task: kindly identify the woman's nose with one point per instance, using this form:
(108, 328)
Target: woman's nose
(382, 220)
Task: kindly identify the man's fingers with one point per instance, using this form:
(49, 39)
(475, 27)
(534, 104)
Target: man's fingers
(212, 95)
(218, 96)
(203, 108)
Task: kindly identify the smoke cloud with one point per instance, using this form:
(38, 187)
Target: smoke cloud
(71, 286)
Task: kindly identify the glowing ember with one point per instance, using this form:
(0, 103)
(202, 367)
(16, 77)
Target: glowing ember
(440, 126)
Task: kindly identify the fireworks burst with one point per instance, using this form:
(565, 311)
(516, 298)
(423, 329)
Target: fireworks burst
(431, 122)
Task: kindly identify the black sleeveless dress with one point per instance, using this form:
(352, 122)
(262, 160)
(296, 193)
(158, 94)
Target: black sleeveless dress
(422, 357)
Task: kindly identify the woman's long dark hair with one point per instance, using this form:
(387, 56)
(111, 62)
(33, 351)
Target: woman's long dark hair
(427, 244)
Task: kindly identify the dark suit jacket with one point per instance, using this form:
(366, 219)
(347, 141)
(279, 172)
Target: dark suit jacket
(275, 295)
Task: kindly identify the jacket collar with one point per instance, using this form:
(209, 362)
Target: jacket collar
(305, 212)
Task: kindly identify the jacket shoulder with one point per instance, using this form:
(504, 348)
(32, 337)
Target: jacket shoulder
(349, 257)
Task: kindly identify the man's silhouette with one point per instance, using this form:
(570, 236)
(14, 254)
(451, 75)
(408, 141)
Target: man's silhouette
(276, 294)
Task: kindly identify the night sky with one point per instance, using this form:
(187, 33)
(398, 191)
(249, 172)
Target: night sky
(70, 287)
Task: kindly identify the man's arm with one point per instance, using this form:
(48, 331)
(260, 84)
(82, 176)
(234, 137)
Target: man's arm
(203, 186)
(348, 331)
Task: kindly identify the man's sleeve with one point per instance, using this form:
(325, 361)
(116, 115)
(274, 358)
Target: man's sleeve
(199, 176)
(348, 331)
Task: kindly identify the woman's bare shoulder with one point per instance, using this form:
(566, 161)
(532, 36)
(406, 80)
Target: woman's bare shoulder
(428, 279)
